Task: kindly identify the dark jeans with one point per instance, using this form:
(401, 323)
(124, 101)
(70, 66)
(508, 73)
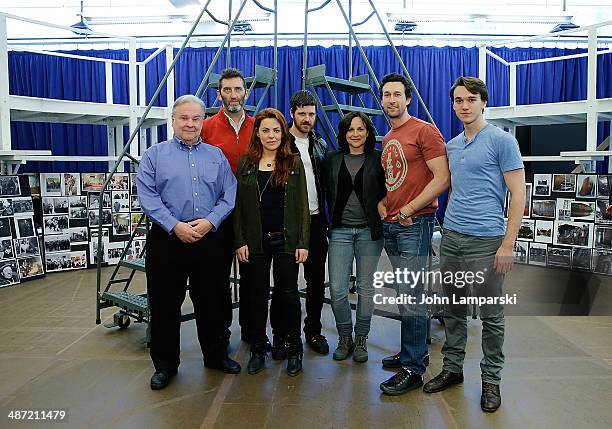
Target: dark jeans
(408, 248)
(170, 263)
(285, 294)
(314, 274)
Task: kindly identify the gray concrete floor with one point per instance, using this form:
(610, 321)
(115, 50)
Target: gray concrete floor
(53, 356)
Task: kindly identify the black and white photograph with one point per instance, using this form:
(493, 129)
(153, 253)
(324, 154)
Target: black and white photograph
(537, 254)
(544, 231)
(5, 227)
(135, 249)
(23, 205)
(559, 257)
(71, 184)
(527, 230)
(114, 251)
(92, 181)
(9, 186)
(544, 209)
(6, 248)
(94, 200)
(581, 259)
(521, 249)
(9, 274)
(542, 185)
(78, 260)
(51, 184)
(26, 247)
(564, 183)
(573, 234)
(6, 207)
(603, 212)
(57, 243)
(119, 182)
(582, 211)
(55, 224)
(60, 205)
(603, 185)
(120, 201)
(107, 217)
(78, 213)
(586, 185)
(79, 201)
(25, 227)
(121, 223)
(135, 204)
(603, 237)
(93, 250)
(78, 235)
(564, 208)
(30, 267)
(602, 261)
(133, 188)
(47, 205)
(58, 261)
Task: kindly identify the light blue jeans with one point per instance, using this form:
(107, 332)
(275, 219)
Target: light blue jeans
(346, 245)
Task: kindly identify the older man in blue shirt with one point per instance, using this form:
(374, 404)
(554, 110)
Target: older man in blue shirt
(187, 188)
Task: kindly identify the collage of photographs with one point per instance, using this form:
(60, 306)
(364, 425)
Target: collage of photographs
(20, 256)
(70, 206)
(567, 223)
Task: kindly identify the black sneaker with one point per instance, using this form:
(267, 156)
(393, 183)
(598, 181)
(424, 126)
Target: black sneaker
(443, 381)
(161, 379)
(318, 343)
(294, 364)
(490, 400)
(402, 382)
(279, 348)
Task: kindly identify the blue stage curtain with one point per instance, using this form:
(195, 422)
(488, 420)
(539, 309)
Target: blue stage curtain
(433, 70)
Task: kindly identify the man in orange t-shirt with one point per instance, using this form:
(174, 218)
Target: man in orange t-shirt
(416, 171)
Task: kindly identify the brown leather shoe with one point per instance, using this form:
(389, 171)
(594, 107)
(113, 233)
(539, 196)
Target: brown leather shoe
(490, 400)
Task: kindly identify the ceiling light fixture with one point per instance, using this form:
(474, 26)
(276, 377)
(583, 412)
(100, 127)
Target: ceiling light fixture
(404, 26)
(81, 25)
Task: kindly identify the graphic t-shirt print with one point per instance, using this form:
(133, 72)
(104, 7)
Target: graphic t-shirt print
(395, 165)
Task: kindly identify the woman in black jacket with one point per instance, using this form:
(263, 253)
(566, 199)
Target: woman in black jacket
(354, 183)
(272, 222)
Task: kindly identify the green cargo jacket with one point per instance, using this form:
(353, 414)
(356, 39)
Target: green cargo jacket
(247, 217)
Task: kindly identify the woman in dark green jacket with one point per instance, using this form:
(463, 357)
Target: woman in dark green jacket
(272, 222)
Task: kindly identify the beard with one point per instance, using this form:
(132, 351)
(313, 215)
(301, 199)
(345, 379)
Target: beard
(304, 128)
(233, 109)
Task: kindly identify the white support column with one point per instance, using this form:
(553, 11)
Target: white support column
(482, 63)
(169, 89)
(5, 111)
(112, 144)
(108, 71)
(142, 141)
(591, 143)
(119, 143)
(512, 84)
(153, 135)
(133, 82)
(142, 91)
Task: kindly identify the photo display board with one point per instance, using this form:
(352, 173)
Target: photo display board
(567, 222)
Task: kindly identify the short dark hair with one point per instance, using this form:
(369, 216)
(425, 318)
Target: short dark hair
(473, 85)
(345, 124)
(231, 73)
(301, 99)
(395, 77)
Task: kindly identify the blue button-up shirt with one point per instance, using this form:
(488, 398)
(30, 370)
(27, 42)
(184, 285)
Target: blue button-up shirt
(177, 183)
(478, 188)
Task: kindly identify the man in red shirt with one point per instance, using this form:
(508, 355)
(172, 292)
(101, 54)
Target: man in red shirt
(231, 130)
(416, 171)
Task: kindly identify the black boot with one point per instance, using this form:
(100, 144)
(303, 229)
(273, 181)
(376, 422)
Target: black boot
(279, 347)
(294, 355)
(257, 362)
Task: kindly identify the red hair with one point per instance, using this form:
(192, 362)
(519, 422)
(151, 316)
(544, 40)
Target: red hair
(284, 157)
